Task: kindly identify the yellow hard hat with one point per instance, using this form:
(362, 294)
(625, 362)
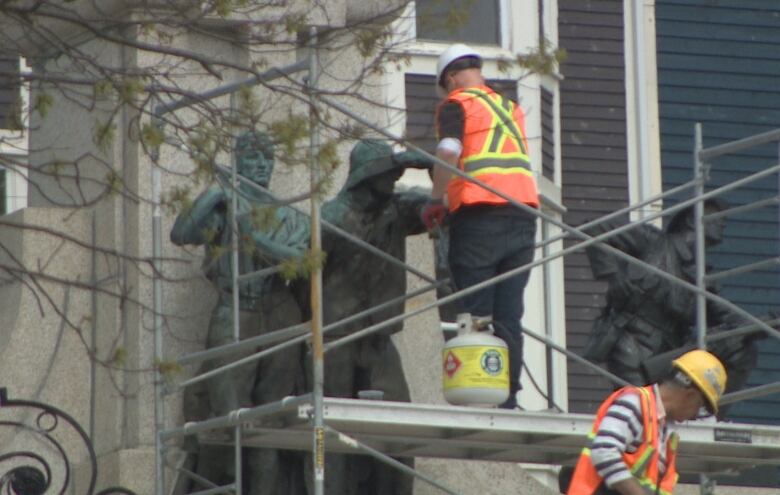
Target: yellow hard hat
(706, 372)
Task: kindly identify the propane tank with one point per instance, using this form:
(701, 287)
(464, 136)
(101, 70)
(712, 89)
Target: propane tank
(475, 365)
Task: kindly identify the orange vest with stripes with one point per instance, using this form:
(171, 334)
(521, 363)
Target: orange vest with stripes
(495, 150)
(644, 463)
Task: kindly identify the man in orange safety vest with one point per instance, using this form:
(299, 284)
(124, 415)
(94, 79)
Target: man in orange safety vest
(482, 133)
(631, 450)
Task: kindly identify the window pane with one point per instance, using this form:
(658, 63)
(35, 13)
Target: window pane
(470, 21)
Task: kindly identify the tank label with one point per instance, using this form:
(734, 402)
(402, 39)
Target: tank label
(491, 362)
(475, 366)
(451, 364)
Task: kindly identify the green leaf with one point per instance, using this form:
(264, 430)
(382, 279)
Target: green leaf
(103, 136)
(177, 200)
(43, 102)
(247, 101)
(304, 266)
(544, 61)
(264, 218)
(119, 358)
(152, 136)
(130, 88)
(287, 134)
(103, 89)
(114, 182)
(223, 7)
(168, 368)
(294, 23)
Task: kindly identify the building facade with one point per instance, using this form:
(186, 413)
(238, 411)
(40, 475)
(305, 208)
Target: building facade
(593, 126)
(110, 239)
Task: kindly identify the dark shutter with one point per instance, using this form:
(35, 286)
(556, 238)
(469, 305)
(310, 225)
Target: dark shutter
(593, 154)
(548, 135)
(421, 101)
(9, 90)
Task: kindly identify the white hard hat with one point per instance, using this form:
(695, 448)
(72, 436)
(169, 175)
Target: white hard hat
(451, 54)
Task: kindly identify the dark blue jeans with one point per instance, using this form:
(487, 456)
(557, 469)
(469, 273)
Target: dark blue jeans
(486, 241)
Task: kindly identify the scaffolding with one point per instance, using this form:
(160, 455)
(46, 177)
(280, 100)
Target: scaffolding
(386, 429)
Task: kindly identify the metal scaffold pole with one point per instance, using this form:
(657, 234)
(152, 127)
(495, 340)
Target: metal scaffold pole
(234, 236)
(700, 176)
(318, 368)
(159, 399)
(234, 261)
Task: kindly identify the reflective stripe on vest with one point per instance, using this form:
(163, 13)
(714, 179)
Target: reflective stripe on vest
(502, 128)
(643, 464)
(494, 151)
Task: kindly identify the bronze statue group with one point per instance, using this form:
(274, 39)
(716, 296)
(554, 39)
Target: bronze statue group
(354, 280)
(645, 315)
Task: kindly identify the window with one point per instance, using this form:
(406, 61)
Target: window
(467, 21)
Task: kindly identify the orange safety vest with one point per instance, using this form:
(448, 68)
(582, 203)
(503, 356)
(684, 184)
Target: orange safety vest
(495, 150)
(643, 463)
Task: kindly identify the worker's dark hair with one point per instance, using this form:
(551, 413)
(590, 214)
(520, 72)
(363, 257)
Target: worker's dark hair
(459, 64)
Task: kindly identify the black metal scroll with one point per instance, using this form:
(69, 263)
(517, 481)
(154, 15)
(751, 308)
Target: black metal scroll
(30, 472)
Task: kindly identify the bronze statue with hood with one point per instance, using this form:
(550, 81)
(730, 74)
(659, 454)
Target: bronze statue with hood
(647, 315)
(354, 280)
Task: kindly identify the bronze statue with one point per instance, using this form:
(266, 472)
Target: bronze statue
(355, 280)
(265, 304)
(647, 315)
(207, 223)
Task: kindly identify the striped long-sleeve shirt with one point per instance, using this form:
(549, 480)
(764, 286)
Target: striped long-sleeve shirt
(621, 431)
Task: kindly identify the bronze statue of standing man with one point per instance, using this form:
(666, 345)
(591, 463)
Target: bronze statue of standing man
(355, 279)
(646, 314)
(266, 303)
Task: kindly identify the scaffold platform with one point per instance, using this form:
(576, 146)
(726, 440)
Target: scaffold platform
(422, 430)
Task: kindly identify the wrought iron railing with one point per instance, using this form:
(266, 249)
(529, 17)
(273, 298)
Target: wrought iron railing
(43, 467)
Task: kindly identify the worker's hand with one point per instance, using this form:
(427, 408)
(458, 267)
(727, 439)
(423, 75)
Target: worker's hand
(433, 213)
